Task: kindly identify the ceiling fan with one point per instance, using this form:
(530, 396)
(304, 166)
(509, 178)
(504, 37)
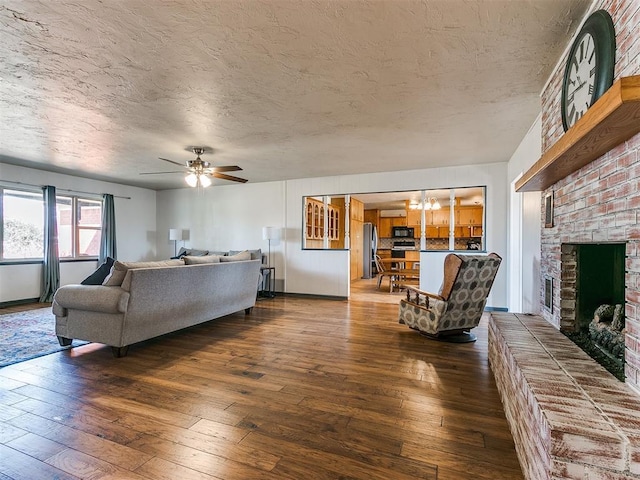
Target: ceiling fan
(199, 171)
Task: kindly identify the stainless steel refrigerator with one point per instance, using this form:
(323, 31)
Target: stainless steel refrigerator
(369, 249)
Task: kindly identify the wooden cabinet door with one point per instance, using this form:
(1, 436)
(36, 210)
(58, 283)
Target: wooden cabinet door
(441, 217)
(384, 229)
(469, 216)
(476, 216)
(412, 256)
(431, 231)
(372, 216)
(428, 217)
(413, 218)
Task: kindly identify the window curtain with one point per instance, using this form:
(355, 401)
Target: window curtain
(108, 238)
(51, 265)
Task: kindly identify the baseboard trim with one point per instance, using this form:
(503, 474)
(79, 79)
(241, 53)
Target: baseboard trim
(13, 303)
(496, 309)
(312, 295)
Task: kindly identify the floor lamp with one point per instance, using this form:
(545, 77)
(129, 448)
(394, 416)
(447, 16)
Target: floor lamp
(267, 234)
(175, 235)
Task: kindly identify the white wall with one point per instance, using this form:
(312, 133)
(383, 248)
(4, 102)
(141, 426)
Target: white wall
(223, 218)
(231, 217)
(524, 227)
(135, 229)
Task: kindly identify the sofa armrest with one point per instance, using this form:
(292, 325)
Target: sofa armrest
(92, 298)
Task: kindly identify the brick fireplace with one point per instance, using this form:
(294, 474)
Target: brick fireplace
(570, 418)
(600, 203)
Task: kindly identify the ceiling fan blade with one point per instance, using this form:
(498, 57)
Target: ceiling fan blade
(226, 168)
(228, 177)
(159, 173)
(171, 161)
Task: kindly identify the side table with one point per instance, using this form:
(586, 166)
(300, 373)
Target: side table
(270, 274)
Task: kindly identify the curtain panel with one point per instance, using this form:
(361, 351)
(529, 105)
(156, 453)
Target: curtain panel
(108, 238)
(51, 264)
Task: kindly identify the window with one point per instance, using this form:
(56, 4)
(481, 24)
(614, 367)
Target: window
(22, 224)
(89, 227)
(22, 234)
(79, 227)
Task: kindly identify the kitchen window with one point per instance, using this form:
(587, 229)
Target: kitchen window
(440, 219)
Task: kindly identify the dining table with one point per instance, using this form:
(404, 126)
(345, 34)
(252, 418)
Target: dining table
(399, 263)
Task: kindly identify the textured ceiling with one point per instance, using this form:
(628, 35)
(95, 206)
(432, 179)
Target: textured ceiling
(284, 89)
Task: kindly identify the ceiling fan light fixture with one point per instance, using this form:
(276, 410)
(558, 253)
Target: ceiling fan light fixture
(191, 179)
(205, 181)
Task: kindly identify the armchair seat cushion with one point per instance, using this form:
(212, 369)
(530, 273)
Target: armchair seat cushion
(421, 317)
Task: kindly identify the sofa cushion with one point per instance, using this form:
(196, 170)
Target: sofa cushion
(255, 254)
(97, 277)
(189, 260)
(237, 257)
(119, 269)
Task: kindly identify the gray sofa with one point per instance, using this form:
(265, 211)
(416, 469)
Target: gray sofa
(153, 301)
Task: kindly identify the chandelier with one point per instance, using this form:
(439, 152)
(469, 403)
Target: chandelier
(431, 204)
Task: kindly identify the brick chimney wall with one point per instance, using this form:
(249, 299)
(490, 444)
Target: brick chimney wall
(601, 201)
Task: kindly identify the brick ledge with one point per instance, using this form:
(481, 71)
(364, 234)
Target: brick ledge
(570, 418)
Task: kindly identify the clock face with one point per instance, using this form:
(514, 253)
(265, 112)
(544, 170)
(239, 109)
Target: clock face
(589, 69)
(581, 79)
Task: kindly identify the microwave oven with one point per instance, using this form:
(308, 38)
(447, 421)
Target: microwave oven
(402, 232)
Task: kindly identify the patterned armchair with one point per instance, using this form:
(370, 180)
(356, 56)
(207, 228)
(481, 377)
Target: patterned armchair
(458, 307)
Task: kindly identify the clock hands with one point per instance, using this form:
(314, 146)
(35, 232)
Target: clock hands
(580, 85)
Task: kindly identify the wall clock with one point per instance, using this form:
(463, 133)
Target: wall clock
(589, 70)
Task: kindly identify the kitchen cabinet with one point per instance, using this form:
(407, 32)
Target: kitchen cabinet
(315, 223)
(357, 210)
(372, 216)
(443, 231)
(440, 217)
(384, 229)
(469, 216)
(356, 220)
(413, 218)
(386, 224)
(431, 231)
(412, 255)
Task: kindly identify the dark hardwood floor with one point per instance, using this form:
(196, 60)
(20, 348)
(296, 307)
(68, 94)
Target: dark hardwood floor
(300, 389)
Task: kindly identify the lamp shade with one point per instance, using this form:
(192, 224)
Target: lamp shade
(175, 234)
(268, 233)
(191, 179)
(204, 181)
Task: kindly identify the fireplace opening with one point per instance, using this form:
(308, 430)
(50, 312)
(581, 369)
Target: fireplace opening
(592, 301)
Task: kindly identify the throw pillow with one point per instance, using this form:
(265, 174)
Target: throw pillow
(188, 260)
(97, 277)
(119, 269)
(197, 253)
(183, 252)
(255, 254)
(237, 257)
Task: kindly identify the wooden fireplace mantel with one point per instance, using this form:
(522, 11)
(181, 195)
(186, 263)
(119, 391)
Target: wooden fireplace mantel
(613, 119)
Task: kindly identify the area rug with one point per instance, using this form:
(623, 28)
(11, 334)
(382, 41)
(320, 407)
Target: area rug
(29, 334)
